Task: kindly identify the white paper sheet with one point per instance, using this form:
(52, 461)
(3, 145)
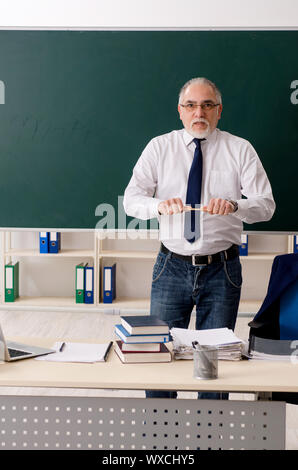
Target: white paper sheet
(77, 352)
(211, 337)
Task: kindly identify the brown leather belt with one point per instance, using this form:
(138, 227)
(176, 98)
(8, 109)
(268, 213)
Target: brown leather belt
(198, 260)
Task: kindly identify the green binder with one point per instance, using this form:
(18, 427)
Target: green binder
(11, 281)
(80, 281)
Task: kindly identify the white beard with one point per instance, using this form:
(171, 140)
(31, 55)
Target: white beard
(199, 134)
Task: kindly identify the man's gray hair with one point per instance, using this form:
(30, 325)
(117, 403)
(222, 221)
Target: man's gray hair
(203, 81)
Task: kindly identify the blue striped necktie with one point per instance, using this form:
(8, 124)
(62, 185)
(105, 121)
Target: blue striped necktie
(193, 195)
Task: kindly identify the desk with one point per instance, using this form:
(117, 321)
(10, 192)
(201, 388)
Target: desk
(139, 423)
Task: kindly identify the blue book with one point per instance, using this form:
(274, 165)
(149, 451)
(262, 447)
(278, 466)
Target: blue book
(89, 285)
(123, 334)
(109, 284)
(243, 248)
(144, 325)
(44, 242)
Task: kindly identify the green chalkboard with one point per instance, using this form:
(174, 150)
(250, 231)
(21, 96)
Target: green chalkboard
(78, 107)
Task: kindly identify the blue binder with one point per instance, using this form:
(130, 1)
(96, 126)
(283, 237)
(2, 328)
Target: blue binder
(43, 242)
(54, 242)
(243, 248)
(109, 284)
(89, 285)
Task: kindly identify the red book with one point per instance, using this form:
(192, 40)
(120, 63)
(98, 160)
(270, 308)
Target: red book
(164, 355)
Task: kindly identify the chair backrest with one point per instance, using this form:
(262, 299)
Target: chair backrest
(278, 315)
(275, 326)
(288, 312)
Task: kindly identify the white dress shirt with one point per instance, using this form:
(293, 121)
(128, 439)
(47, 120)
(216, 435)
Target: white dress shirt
(231, 168)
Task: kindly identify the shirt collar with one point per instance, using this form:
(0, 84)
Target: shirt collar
(189, 138)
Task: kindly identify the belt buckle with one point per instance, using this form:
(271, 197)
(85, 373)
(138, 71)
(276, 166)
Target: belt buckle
(193, 261)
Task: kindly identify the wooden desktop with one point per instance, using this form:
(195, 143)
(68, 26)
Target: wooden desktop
(140, 423)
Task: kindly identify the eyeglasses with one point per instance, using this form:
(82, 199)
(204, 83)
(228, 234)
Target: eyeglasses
(190, 107)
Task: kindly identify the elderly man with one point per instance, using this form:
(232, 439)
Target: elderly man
(202, 167)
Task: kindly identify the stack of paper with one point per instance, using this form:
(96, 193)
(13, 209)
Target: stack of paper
(229, 346)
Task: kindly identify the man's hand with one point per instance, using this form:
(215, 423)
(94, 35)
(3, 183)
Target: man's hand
(215, 206)
(171, 206)
(219, 206)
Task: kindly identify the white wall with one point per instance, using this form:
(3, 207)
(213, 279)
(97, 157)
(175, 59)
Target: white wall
(116, 14)
(149, 13)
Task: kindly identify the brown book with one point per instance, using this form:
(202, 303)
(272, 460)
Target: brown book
(164, 355)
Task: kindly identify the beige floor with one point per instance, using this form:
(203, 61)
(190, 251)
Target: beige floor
(93, 326)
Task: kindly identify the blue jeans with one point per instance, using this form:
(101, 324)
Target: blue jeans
(214, 289)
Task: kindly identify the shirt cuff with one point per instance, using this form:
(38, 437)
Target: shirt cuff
(243, 206)
(154, 207)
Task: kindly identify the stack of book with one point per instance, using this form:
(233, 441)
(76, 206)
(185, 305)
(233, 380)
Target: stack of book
(142, 338)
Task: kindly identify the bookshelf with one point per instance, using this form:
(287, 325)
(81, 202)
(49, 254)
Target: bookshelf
(132, 250)
(23, 245)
